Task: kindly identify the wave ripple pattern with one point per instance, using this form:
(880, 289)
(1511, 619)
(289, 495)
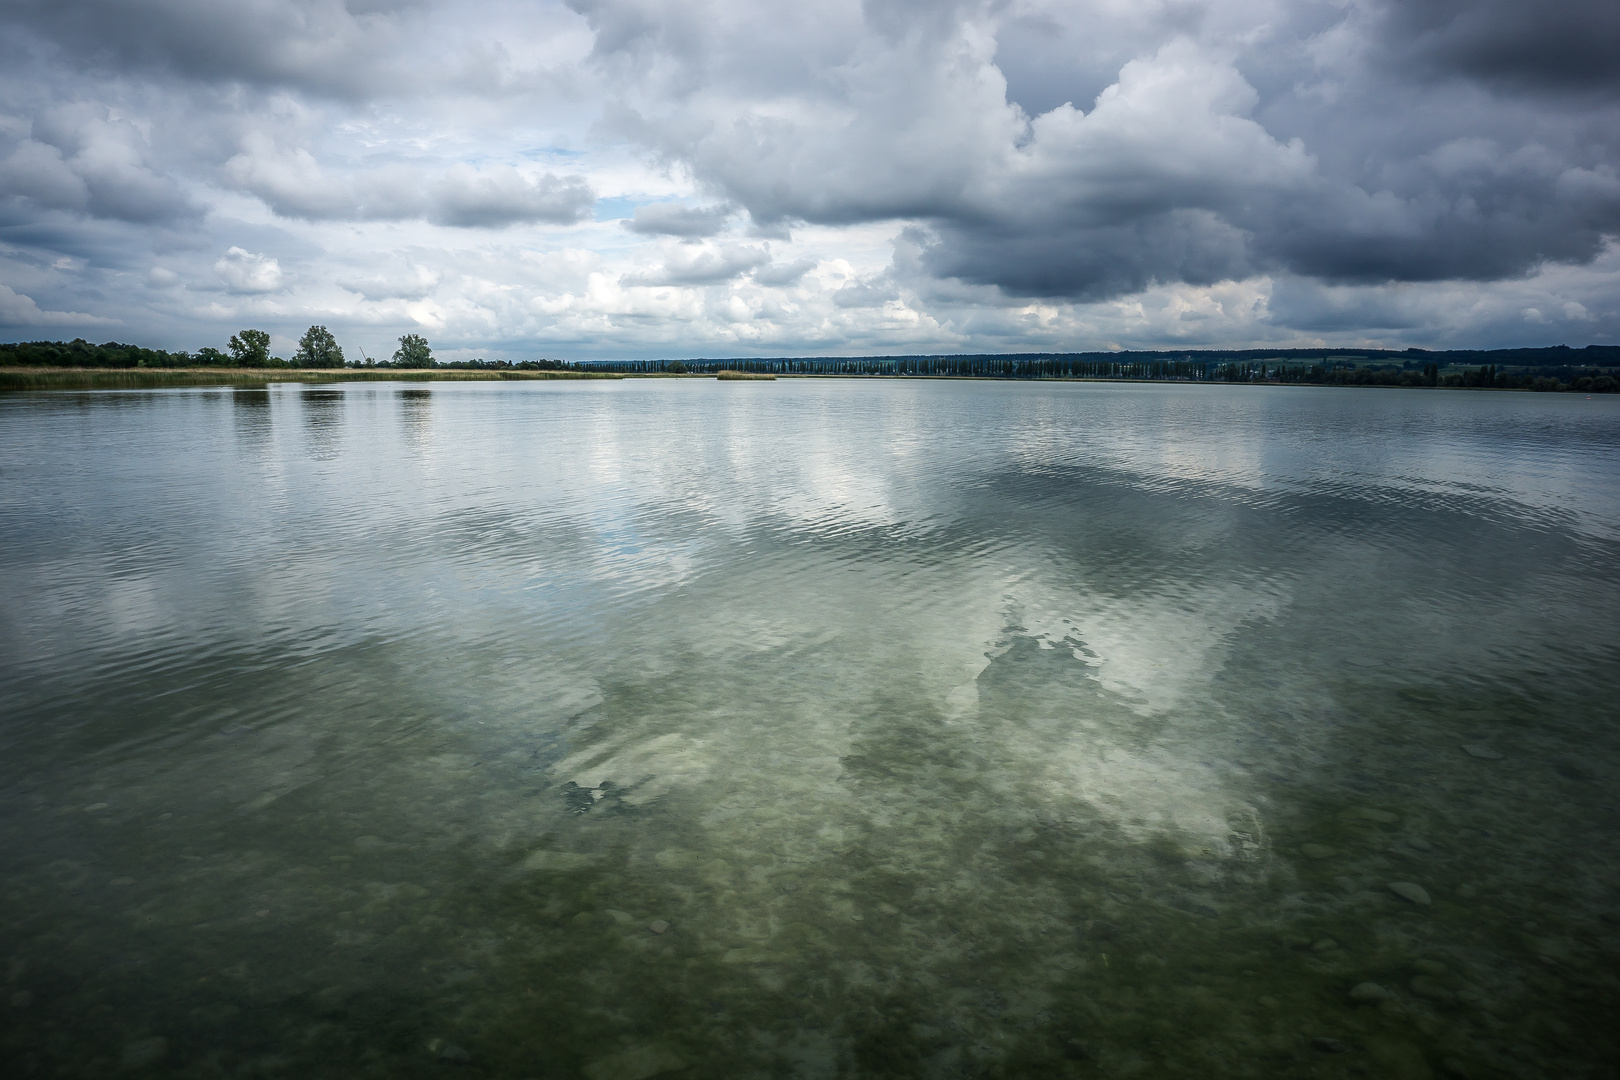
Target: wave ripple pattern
(809, 729)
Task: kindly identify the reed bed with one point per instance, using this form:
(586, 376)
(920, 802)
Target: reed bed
(737, 376)
(43, 378)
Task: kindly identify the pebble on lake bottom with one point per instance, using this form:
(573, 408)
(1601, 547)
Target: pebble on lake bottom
(1406, 890)
(1316, 851)
(1329, 1046)
(1481, 751)
(658, 926)
(1370, 993)
(22, 999)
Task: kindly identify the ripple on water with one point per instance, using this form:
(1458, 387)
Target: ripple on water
(863, 728)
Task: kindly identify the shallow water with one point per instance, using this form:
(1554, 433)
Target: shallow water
(809, 728)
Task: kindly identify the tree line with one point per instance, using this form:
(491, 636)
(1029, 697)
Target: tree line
(317, 348)
(247, 349)
(1592, 369)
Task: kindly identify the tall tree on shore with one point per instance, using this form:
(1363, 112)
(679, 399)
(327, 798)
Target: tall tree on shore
(318, 349)
(250, 348)
(413, 352)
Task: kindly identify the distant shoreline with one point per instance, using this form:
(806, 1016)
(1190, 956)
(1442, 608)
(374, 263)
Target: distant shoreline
(22, 378)
(75, 378)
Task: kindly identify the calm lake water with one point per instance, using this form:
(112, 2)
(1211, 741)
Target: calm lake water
(809, 728)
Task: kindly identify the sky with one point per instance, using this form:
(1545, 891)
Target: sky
(622, 178)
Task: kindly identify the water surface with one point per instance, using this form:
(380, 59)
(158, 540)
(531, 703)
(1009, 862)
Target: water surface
(809, 728)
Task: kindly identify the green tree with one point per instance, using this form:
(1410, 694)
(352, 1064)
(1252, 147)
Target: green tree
(212, 357)
(250, 348)
(413, 351)
(318, 349)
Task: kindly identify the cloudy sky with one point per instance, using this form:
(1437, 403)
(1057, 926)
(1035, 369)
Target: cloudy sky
(630, 178)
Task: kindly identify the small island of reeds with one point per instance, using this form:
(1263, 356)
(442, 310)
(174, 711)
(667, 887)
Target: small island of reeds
(729, 376)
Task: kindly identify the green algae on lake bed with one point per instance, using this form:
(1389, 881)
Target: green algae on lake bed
(993, 731)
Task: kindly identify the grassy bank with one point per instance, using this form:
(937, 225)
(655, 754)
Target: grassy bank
(44, 378)
(735, 376)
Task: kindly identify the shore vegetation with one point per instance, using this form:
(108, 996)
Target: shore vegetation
(1594, 369)
(246, 361)
(78, 378)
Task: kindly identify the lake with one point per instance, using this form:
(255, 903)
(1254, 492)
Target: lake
(809, 728)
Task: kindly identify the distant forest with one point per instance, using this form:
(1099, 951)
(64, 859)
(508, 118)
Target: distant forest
(1596, 368)
(1593, 369)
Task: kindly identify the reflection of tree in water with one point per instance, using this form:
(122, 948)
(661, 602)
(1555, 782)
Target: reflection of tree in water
(323, 421)
(250, 413)
(416, 418)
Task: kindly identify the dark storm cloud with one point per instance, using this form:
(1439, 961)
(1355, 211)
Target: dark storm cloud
(1092, 263)
(1310, 307)
(319, 44)
(1378, 165)
(1554, 44)
(1176, 168)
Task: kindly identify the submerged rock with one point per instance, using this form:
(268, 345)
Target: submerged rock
(452, 1052)
(1406, 890)
(658, 926)
(1423, 986)
(1329, 1046)
(1317, 851)
(1481, 751)
(1327, 944)
(1370, 993)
